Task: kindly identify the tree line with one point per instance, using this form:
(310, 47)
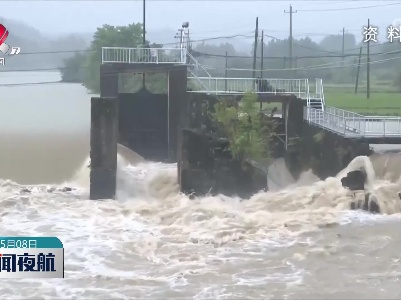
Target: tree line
(310, 59)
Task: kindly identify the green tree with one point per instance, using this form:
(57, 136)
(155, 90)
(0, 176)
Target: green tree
(74, 70)
(109, 36)
(249, 137)
(86, 68)
(333, 43)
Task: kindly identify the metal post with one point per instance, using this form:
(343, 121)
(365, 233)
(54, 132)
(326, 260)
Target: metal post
(261, 68)
(368, 69)
(144, 36)
(255, 47)
(290, 39)
(359, 67)
(342, 52)
(226, 72)
(261, 56)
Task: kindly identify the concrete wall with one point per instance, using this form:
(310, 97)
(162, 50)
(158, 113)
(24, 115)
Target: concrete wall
(324, 152)
(142, 124)
(207, 167)
(149, 123)
(308, 146)
(103, 155)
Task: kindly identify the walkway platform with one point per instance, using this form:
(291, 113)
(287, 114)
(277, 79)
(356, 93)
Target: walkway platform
(236, 86)
(373, 129)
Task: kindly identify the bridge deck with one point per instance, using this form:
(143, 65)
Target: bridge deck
(352, 125)
(236, 86)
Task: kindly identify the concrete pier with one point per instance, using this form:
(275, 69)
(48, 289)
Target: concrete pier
(103, 147)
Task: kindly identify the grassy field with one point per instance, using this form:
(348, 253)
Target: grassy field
(383, 100)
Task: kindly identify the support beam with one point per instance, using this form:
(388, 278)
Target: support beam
(177, 104)
(108, 81)
(103, 147)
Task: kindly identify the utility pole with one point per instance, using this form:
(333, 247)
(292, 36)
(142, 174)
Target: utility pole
(290, 39)
(188, 41)
(144, 24)
(181, 30)
(255, 47)
(262, 45)
(368, 68)
(144, 37)
(226, 71)
(357, 73)
(342, 51)
(353, 70)
(261, 55)
(181, 37)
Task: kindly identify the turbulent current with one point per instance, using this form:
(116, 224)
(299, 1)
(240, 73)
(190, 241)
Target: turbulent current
(298, 240)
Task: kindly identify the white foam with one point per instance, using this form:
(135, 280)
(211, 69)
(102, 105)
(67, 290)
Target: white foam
(154, 238)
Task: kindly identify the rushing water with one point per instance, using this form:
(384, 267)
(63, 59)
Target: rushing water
(296, 241)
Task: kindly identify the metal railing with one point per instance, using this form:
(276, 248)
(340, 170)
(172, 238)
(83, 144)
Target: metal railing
(144, 55)
(221, 85)
(320, 91)
(195, 67)
(307, 96)
(350, 124)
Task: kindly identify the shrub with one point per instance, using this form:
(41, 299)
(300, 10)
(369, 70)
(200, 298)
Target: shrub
(248, 135)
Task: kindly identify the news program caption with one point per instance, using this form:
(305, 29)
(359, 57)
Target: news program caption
(31, 257)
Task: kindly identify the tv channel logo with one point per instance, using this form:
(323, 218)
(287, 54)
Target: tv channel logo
(5, 48)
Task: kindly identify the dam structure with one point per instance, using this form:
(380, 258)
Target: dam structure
(150, 124)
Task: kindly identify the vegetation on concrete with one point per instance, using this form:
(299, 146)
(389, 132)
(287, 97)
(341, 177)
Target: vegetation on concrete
(248, 135)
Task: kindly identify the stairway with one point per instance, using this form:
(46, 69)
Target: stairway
(195, 69)
(200, 79)
(316, 103)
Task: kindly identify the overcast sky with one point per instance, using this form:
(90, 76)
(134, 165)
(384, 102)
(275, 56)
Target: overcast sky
(207, 18)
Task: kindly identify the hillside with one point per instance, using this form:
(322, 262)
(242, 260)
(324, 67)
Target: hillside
(32, 40)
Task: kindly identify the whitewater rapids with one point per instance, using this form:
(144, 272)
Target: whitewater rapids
(298, 240)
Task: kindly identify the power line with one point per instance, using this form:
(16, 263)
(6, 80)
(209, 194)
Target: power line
(315, 49)
(32, 83)
(173, 43)
(312, 1)
(199, 40)
(229, 56)
(44, 69)
(311, 68)
(197, 53)
(55, 52)
(349, 8)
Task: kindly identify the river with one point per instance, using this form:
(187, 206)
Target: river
(296, 242)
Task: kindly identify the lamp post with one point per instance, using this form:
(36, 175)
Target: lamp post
(144, 24)
(185, 25)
